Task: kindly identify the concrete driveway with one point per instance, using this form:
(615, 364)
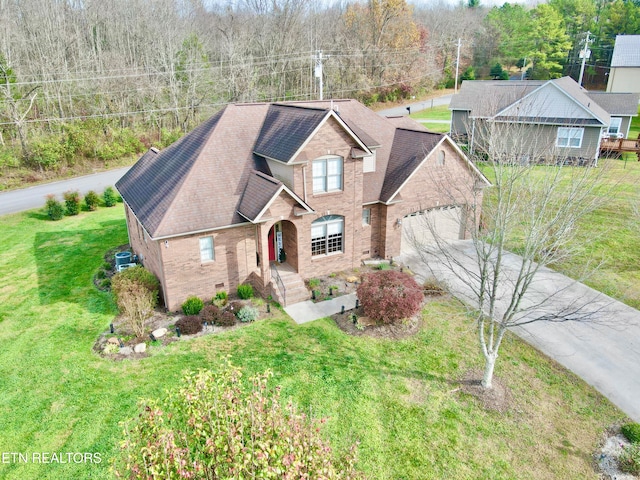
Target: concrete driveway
(603, 350)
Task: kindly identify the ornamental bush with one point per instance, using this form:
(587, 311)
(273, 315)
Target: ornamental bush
(110, 197)
(210, 314)
(136, 293)
(389, 296)
(219, 425)
(71, 202)
(189, 325)
(225, 319)
(632, 432)
(192, 306)
(55, 210)
(91, 200)
(248, 314)
(245, 291)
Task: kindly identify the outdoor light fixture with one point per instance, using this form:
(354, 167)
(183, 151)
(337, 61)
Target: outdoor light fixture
(342, 310)
(313, 294)
(111, 328)
(399, 221)
(177, 333)
(152, 337)
(120, 342)
(357, 303)
(268, 308)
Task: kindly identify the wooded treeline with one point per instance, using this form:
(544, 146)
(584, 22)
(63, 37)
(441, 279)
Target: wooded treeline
(102, 79)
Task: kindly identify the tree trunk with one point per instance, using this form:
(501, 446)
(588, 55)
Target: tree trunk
(487, 378)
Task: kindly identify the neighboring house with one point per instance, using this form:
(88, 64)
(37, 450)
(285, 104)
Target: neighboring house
(624, 75)
(537, 120)
(319, 186)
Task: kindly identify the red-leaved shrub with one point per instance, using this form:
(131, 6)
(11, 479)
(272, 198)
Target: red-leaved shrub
(389, 296)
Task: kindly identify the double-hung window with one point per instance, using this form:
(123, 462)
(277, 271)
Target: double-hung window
(206, 249)
(327, 174)
(569, 137)
(327, 235)
(614, 126)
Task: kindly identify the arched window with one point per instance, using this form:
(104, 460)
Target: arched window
(327, 234)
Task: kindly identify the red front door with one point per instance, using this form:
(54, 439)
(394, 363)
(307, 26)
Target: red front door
(272, 246)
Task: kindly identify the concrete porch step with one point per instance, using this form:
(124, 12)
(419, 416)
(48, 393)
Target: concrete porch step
(295, 289)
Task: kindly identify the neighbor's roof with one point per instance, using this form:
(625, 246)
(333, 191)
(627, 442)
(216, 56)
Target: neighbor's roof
(617, 103)
(488, 98)
(626, 51)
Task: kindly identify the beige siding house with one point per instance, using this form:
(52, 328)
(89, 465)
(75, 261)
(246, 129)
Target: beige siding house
(272, 194)
(624, 75)
(554, 120)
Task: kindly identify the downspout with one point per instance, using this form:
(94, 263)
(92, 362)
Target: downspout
(304, 183)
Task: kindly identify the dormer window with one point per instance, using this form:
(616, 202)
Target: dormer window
(327, 174)
(369, 163)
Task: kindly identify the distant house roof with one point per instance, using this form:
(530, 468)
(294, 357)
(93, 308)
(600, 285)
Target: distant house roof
(626, 51)
(625, 104)
(216, 176)
(497, 99)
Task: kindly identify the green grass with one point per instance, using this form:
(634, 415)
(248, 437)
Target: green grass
(398, 398)
(436, 113)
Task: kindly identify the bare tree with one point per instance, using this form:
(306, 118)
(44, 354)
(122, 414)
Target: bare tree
(533, 208)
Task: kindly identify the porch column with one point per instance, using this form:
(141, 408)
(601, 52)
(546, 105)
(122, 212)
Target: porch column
(263, 249)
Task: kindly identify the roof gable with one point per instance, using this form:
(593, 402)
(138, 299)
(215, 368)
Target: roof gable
(298, 122)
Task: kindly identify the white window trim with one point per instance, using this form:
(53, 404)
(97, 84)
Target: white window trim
(369, 163)
(207, 254)
(325, 222)
(618, 126)
(326, 175)
(568, 134)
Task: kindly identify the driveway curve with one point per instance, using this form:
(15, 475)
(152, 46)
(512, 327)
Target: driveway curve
(603, 350)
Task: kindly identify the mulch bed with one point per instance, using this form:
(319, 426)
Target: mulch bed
(498, 398)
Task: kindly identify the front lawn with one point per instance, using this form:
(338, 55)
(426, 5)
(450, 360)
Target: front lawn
(399, 398)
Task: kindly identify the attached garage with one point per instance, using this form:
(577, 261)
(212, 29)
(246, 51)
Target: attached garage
(421, 227)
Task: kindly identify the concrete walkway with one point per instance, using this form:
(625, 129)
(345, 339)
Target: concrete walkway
(604, 349)
(308, 311)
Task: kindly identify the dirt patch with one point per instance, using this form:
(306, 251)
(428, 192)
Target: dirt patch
(498, 398)
(606, 457)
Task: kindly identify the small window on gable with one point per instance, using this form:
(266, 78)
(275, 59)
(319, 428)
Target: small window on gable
(206, 249)
(369, 163)
(440, 157)
(366, 216)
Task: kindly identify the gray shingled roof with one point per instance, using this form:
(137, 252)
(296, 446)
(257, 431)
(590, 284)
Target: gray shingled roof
(617, 103)
(626, 51)
(486, 98)
(410, 148)
(285, 129)
(257, 194)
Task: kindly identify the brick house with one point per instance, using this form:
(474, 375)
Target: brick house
(271, 194)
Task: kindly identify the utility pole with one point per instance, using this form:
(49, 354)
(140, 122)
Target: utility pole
(318, 71)
(457, 66)
(585, 53)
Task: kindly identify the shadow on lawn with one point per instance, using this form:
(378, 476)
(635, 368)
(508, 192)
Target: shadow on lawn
(66, 261)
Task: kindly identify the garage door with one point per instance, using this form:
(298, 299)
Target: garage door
(419, 227)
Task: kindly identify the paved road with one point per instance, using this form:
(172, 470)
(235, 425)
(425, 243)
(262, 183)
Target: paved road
(34, 197)
(416, 106)
(604, 351)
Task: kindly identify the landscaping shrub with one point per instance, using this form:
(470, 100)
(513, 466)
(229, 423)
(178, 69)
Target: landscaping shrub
(248, 313)
(241, 431)
(629, 459)
(632, 432)
(389, 296)
(192, 306)
(221, 298)
(245, 291)
(225, 319)
(110, 197)
(210, 314)
(235, 307)
(383, 266)
(55, 210)
(72, 202)
(190, 325)
(91, 200)
(136, 293)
